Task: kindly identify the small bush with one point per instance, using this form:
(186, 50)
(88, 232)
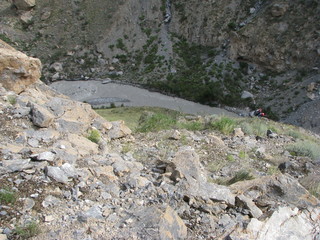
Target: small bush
(94, 136)
(191, 126)
(240, 176)
(156, 122)
(224, 124)
(29, 230)
(7, 196)
(305, 148)
(12, 99)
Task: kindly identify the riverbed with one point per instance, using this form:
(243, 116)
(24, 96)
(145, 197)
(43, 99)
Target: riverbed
(98, 94)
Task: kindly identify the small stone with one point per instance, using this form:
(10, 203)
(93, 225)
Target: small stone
(3, 237)
(48, 218)
(57, 174)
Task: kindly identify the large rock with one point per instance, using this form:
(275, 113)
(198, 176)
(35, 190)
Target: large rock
(186, 168)
(118, 130)
(40, 116)
(24, 4)
(17, 70)
(165, 225)
(285, 223)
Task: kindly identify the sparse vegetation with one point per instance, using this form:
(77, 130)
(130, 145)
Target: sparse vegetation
(306, 148)
(7, 196)
(240, 176)
(224, 124)
(12, 99)
(94, 136)
(27, 231)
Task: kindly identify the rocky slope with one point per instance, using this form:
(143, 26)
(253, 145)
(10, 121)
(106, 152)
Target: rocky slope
(221, 48)
(121, 185)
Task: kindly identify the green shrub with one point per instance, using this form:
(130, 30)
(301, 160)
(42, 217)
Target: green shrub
(156, 122)
(191, 126)
(240, 176)
(305, 148)
(94, 136)
(12, 99)
(225, 125)
(7, 196)
(29, 230)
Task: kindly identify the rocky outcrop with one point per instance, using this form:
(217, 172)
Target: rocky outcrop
(161, 185)
(17, 70)
(24, 4)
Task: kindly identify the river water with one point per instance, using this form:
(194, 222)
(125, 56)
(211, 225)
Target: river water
(98, 94)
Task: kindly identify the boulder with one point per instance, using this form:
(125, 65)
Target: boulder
(40, 116)
(24, 4)
(166, 224)
(17, 70)
(119, 130)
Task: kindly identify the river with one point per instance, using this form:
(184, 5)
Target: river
(98, 94)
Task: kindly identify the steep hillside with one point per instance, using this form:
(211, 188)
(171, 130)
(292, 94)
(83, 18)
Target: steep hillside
(67, 173)
(222, 49)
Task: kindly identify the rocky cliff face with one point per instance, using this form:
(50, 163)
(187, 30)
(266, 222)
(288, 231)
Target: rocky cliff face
(221, 48)
(72, 174)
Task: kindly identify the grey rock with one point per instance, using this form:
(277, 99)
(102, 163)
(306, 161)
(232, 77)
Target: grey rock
(247, 203)
(28, 204)
(33, 142)
(50, 201)
(69, 170)
(24, 4)
(70, 126)
(44, 156)
(57, 174)
(21, 112)
(246, 94)
(94, 212)
(40, 116)
(118, 130)
(16, 165)
(166, 224)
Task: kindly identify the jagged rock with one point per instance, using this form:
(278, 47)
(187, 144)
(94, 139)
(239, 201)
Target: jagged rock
(17, 70)
(44, 156)
(3, 237)
(165, 224)
(16, 165)
(40, 116)
(28, 204)
(245, 202)
(57, 174)
(285, 223)
(278, 188)
(237, 132)
(69, 170)
(26, 17)
(50, 201)
(57, 67)
(82, 145)
(24, 4)
(118, 130)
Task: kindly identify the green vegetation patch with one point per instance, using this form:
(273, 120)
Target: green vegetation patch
(94, 136)
(240, 176)
(305, 148)
(224, 124)
(7, 196)
(27, 231)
